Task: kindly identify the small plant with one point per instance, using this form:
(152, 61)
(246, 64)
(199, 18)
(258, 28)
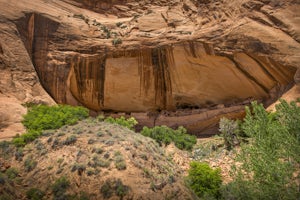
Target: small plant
(121, 189)
(106, 189)
(106, 30)
(79, 16)
(91, 141)
(100, 118)
(97, 150)
(55, 143)
(119, 24)
(12, 173)
(60, 187)
(35, 194)
(70, 140)
(166, 135)
(116, 41)
(2, 179)
(203, 180)
(60, 161)
(114, 186)
(128, 123)
(19, 154)
(79, 167)
(230, 132)
(100, 134)
(4, 146)
(98, 162)
(29, 164)
(119, 161)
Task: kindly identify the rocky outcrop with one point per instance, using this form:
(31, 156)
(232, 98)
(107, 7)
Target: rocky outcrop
(168, 62)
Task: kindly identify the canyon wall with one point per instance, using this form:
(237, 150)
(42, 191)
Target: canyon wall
(165, 63)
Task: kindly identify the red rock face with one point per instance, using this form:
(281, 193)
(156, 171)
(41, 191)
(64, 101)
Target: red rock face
(173, 63)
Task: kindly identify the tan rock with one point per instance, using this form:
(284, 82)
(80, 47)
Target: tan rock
(171, 55)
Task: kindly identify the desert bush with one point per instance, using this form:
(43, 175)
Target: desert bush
(230, 132)
(29, 164)
(203, 180)
(70, 140)
(35, 194)
(128, 123)
(79, 167)
(19, 154)
(60, 187)
(166, 135)
(116, 187)
(116, 41)
(269, 162)
(12, 173)
(119, 161)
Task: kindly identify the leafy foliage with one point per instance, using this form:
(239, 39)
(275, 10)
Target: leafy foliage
(269, 162)
(166, 135)
(129, 123)
(42, 117)
(203, 180)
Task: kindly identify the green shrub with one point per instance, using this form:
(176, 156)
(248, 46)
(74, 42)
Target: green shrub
(35, 194)
(44, 117)
(128, 123)
(272, 157)
(25, 138)
(203, 180)
(166, 135)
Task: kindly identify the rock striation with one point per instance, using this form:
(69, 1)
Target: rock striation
(164, 62)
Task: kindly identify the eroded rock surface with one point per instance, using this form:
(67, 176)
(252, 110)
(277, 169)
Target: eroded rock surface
(165, 62)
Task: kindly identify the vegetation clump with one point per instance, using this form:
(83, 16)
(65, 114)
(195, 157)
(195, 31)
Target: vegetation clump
(35, 194)
(166, 135)
(29, 164)
(122, 121)
(116, 41)
(230, 132)
(204, 181)
(269, 163)
(42, 117)
(60, 187)
(116, 187)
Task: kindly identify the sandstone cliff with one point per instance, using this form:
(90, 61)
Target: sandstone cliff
(179, 62)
